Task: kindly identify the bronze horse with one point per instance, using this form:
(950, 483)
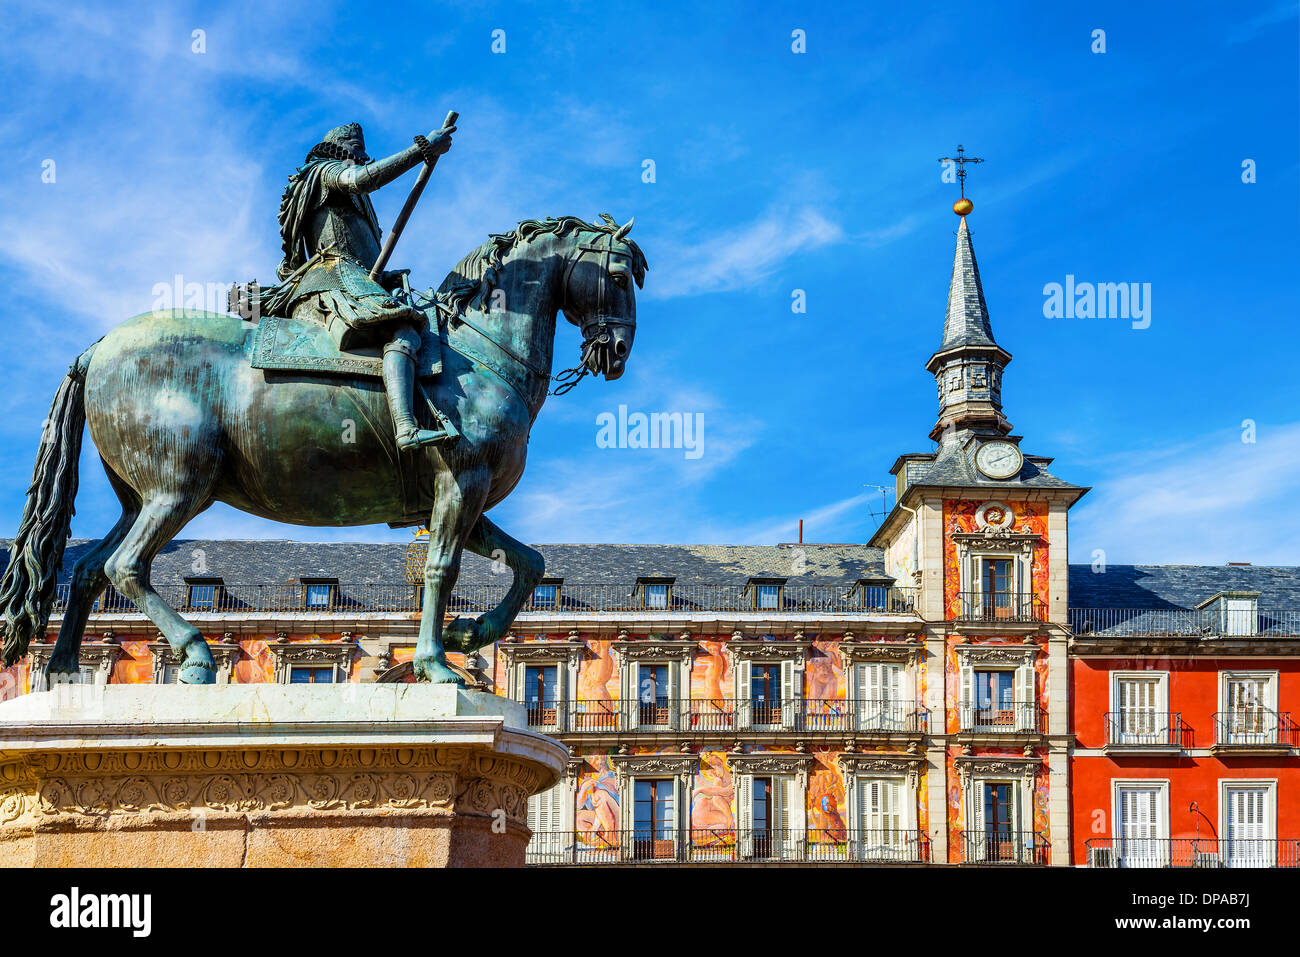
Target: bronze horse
(181, 419)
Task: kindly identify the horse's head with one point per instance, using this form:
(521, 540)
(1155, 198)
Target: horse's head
(599, 295)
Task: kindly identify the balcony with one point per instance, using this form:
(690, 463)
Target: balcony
(1182, 623)
(1005, 717)
(705, 715)
(1000, 608)
(1001, 846)
(1146, 732)
(728, 846)
(1192, 852)
(567, 599)
(1253, 731)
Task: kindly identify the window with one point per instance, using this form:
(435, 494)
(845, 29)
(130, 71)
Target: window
(769, 693)
(1250, 708)
(997, 695)
(766, 832)
(656, 596)
(880, 697)
(1140, 710)
(551, 842)
(767, 593)
(1141, 826)
(1249, 828)
(998, 837)
(319, 594)
(1239, 616)
(203, 593)
(546, 596)
(309, 675)
(883, 819)
(996, 587)
(170, 675)
(652, 694)
(540, 696)
(654, 820)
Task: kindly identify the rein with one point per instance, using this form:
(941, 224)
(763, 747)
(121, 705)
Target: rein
(568, 379)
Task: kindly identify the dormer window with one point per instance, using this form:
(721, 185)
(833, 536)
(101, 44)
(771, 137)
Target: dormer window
(546, 596)
(319, 594)
(1233, 612)
(766, 593)
(203, 594)
(655, 592)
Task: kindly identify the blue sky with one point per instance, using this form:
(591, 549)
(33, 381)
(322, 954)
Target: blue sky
(775, 171)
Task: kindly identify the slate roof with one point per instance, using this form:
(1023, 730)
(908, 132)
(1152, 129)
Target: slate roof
(269, 562)
(263, 562)
(1181, 586)
(967, 321)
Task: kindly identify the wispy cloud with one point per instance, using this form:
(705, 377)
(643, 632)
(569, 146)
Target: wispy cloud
(740, 257)
(1208, 502)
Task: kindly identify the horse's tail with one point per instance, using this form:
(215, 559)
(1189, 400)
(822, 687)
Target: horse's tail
(28, 586)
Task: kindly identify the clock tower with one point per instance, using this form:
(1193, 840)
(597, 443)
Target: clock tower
(979, 535)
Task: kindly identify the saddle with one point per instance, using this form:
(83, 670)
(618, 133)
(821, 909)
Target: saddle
(297, 345)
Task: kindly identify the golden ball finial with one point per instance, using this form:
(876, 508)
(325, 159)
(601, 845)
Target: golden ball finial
(962, 207)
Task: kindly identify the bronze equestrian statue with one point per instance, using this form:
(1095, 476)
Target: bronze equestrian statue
(190, 408)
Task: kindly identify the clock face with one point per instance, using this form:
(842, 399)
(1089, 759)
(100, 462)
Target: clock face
(998, 460)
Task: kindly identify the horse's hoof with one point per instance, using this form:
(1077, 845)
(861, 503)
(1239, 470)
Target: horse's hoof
(435, 673)
(198, 667)
(461, 634)
(61, 663)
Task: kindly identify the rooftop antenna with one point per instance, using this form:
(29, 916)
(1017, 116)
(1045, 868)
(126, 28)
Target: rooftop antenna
(884, 501)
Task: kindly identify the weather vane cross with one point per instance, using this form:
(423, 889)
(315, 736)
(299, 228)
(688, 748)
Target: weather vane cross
(963, 205)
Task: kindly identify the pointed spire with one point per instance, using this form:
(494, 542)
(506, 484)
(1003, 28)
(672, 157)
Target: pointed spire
(968, 365)
(967, 323)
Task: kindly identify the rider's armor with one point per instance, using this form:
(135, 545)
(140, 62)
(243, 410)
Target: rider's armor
(331, 242)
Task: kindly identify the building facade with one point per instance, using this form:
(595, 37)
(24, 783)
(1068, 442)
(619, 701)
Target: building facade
(952, 692)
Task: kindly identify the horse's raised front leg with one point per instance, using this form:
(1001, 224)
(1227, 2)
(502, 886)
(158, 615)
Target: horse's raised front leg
(488, 540)
(458, 504)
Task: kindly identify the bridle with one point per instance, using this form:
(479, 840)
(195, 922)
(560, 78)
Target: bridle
(594, 329)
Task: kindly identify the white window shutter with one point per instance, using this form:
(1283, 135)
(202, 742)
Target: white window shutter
(1026, 706)
(967, 714)
(781, 839)
(789, 694)
(745, 814)
(744, 709)
(975, 837)
(520, 693)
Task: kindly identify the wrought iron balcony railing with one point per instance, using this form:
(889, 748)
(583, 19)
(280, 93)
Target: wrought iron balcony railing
(1003, 717)
(999, 607)
(726, 714)
(1192, 852)
(1182, 623)
(997, 845)
(1254, 728)
(567, 599)
(728, 845)
(1139, 729)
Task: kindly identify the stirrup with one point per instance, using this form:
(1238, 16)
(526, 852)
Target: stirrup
(413, 439)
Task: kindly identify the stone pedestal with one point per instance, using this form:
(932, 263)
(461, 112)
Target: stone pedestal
(263, 775)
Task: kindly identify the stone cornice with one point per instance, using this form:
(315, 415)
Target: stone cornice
(1016, 654)
(969, 765)
(653, 648)
(638, 765)
(853, 652)
(557, 651)
(749, 649)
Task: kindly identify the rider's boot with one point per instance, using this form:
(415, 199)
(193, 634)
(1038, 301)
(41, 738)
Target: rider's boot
(399, 384)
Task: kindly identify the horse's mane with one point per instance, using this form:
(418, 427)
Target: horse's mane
(474, 277)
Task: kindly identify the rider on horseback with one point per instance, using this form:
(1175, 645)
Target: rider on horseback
(331, 243)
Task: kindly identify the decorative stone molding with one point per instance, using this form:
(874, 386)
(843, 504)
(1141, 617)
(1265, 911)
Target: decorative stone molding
(994, 516)
(765, 762)
(984, 766)
(226, 656)
(854, 652)
(627, 766)
(652, 649)
(973, 654)
(336, 654)
(751, 650)
(558, 652)
(899, 765)
(100, 655)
